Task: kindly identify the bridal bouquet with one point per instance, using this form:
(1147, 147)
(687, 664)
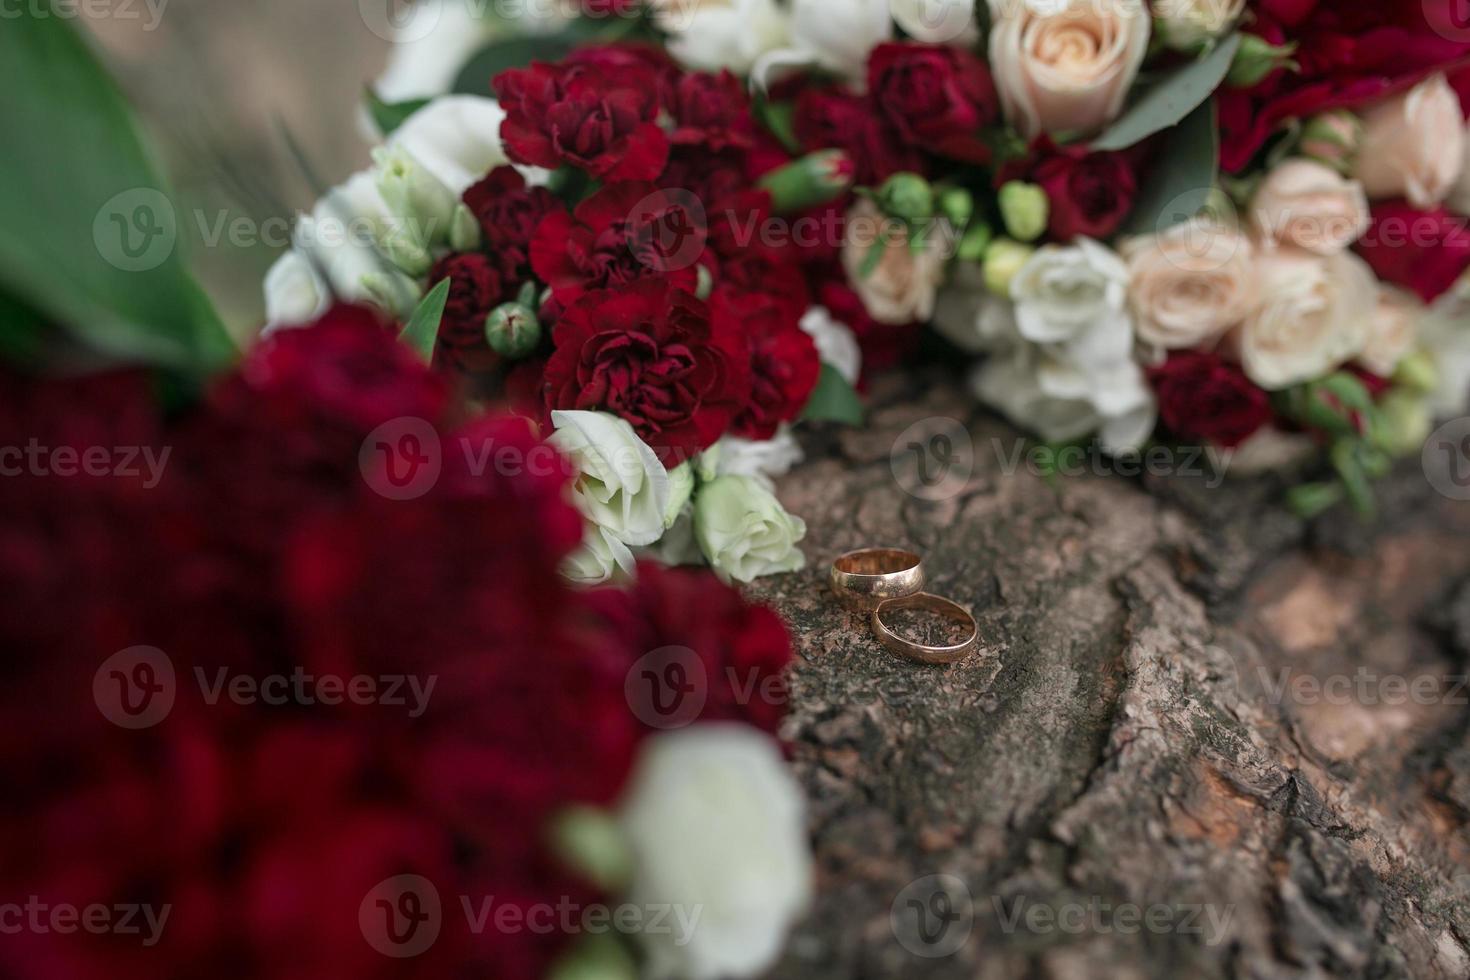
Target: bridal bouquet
(1238, 224)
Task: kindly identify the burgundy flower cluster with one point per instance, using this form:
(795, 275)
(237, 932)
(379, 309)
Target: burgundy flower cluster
(261, 549)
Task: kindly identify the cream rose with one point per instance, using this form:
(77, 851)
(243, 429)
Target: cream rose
(1311, 206)
(1186, 24)
(1065, 65)
(1413, 144)
(1394, 330)
(1316, 313)
(1190, 284)
(900, 287)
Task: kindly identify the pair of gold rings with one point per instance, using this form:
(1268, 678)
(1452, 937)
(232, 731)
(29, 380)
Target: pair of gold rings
(881, 580)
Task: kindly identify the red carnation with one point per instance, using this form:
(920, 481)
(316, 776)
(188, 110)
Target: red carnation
(883, 344)
(475, 288)
(1203, 397)
(736, 652)
(508, 212)
(936, 97)
(624, 233)
(784, 364)
(579, 115)
(830, 119)
(655, 356)
(1423, 251)
(711, 110)
(1090, 193)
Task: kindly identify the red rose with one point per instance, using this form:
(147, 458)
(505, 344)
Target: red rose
(1423, 251)
(655, 356)
(578, 115)
(1090, 193)
(784, 364)
(830, 119)
(1203, 397)
(935, 97)
(508, 212)
(738, 651)
(623, 234)
(475, 288)
(711, 110)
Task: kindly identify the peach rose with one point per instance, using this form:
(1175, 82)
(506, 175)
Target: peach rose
(1190, 284)
(1394, 331)
(1316, 313)
(1413, 144)
(1066, 65)
(901, 286)
(1311, 206)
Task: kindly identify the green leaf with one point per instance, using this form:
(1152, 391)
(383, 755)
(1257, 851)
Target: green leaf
(833, 400)
(1183, 177)
(88, 229)
(390, 115)
(1169, 101)
(513, 52)
(423, 326)
(779, 118)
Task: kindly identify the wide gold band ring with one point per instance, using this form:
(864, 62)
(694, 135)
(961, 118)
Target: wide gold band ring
(862, 579)
(922, 652)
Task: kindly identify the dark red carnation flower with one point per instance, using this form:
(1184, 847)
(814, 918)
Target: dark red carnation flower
(784, 364)
(624, 233)
(508, 212)
(937, 98)
(1203, 397)
(832, 119)
(1090, 193)
(475, 288)
(655, 356)
(883, 344)
(1426, 252)
(631, 63)
(712, 111)
(601, 120)
(737, 651)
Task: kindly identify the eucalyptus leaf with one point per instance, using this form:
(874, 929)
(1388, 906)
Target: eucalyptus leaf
(422, 331)
(1183, 176)
(833, 400)
(89, 232)
(1169, 101)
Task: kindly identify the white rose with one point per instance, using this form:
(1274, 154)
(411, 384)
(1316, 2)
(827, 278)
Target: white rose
(1066, 291)
(1393, 330)
(1315, 314)
(1309, 205)
(601, 558)
(744, 531)
(710, 35)
(1445, 333)
(455, 138)
(340, 236)
(1185, 24)
(1011, 384)
(295, 293)
(717, 828)
(836, 344)
(754, 457)
(1413, 144)
(430, 46)
(620, 484)
(937, 21)
(901, 286)
(1190, 284)
(1065, 66)
(835, 35)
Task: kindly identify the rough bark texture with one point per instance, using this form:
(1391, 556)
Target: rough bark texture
(1123, 736)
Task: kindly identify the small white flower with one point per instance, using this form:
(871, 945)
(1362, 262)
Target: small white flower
(1066, 291)
(835, 342)
(341, 236)
(718, 833)
(601, 558)
(455, 138)
(432, 43)
(621, 485)
(754, 457)
(710, 35)
(744, 531)
(295, 293)
(835, 35)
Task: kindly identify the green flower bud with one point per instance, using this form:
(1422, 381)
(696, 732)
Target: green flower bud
(814, 179)
(1417, 372)
(589, 840)
(512, 330)
(1003, 260)
(704, 283)
(976, 241)
(958, 206)
(1332, 138)
(907, 196)
(1403, 422)
(414, 196)
(681, 488)
(464, 230)
(391, 290)
(1255, 59)
(400, 248)
(595, 956)
(1025, 209)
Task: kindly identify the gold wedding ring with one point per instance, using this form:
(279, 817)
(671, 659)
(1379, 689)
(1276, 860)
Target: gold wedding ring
(922, 652)
(866, 578)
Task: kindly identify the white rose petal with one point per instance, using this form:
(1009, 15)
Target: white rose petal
(835, 342)
(718, 831)
(710, 35)
(432, 44)
(601, 558)
(340, 236)
(455, 138)
(1309, 205)
(295, 293)
(1413, 145)
(1393, 332)
(1190, 284)
(1063, 291)
(621, 485)
(744, 531)
(755, 457)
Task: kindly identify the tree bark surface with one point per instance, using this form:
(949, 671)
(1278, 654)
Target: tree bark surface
(1199, 738)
